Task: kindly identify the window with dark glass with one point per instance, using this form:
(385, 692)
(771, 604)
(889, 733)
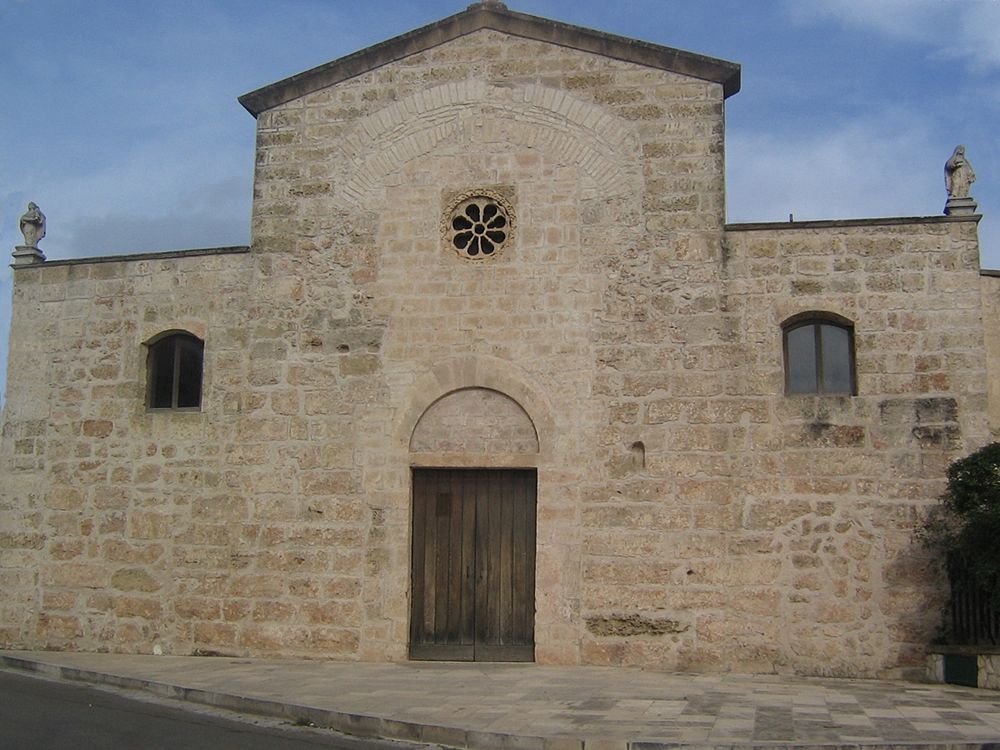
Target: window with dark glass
(175, 367)
(819, 357)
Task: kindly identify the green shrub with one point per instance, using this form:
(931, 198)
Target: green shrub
(966, 527)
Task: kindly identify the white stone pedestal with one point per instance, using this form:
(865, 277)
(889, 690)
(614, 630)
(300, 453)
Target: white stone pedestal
(960, 207)
(24, 255)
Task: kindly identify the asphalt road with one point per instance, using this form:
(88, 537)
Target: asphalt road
(42, 714)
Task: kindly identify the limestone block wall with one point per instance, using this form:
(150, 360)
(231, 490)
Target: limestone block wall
(624, 343)
(276, 520)
(614, 173)
(830, 488)
(990, 281)
(107, 510)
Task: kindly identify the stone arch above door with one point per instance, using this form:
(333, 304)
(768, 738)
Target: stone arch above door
(495, 390)
(477, 421)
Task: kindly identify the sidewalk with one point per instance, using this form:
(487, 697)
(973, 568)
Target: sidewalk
(530, 707)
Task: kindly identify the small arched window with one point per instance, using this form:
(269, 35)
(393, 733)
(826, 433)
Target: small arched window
(174, 372)
(819, 355)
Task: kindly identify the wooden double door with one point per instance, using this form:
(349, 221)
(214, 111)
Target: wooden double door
(473, 565)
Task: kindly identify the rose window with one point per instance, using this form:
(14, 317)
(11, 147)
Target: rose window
(479, 226)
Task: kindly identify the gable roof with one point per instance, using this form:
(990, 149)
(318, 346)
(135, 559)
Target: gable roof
(491, 14)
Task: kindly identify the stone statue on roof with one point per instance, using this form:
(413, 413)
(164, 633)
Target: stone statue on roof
(33, 226)
(958, 174)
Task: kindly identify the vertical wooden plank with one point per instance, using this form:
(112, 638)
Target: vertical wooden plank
(496, 533)
(442, 527)
(479, 615)
(430, 557)
(531, 515)
(505, 621)
(468, 589)
(518, 549)
(417, 590)
(454, 603)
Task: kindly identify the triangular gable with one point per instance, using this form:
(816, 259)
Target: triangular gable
(496, 16)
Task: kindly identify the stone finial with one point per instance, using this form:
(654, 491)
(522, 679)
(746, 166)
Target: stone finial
(958, 178)
(33, 228)
(488, 5)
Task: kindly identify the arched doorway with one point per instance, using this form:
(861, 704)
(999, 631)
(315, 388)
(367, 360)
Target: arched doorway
(472, 580)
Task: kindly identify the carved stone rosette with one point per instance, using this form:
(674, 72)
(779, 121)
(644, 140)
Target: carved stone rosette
(478, 224)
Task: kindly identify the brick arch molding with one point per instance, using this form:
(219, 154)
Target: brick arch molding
(576, 131)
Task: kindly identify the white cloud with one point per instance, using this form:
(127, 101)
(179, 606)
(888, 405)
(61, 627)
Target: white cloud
(117, 233)
(143, 201)
(903, 19)
(980, 26)
(968, 31)
(871, 166)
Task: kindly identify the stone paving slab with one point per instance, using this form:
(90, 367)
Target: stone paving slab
(532, 707)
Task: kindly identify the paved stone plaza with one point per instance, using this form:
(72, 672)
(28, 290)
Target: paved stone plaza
(531, 706)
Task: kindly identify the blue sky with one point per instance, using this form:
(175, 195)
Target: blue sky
(120, 119)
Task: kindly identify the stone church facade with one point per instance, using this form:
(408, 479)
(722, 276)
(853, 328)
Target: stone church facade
(496, 380)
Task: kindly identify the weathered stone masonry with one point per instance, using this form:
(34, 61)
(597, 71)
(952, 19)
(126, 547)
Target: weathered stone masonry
(625, 343)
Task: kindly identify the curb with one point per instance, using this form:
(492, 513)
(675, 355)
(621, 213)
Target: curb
(366, 726)
(356, 725)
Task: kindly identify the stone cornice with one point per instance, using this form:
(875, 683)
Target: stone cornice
(887, 221)
(163, 255)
